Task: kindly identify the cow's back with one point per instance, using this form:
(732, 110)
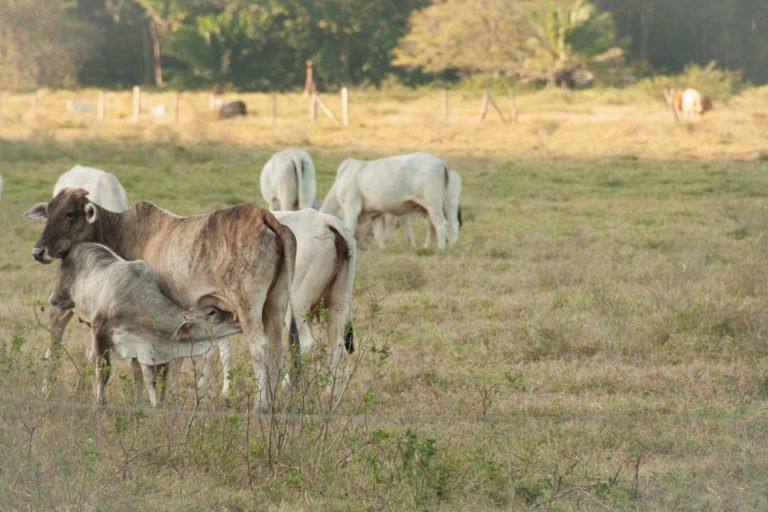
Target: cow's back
(103, 188)
(387, 183)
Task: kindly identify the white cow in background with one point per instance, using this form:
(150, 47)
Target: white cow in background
(400, 186)
(288, 181)
(384, 226)
(103, 189)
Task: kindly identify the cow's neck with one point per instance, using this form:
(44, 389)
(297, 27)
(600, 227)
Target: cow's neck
(129, 233)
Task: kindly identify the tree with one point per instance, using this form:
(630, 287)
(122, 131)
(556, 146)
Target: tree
(485, 36)
(41, 44)
(569, 41)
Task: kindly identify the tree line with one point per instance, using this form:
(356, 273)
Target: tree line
(263, 45)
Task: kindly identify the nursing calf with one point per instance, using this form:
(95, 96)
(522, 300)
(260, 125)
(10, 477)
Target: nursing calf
(130, 317)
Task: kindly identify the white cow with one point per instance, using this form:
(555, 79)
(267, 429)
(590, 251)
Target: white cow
(383, 226)
(103, 188)
(323, 278)
(693, 104)
(288, 181)
(398, 185)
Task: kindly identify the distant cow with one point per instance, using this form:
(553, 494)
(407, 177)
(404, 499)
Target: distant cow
(239, 259)
(322, 279)
(79, 106)
(130, 317)
(232, 109)
(383, 226)
(288, 181)
(398, 185)
(688, 103)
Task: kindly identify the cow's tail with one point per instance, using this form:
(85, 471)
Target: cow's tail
(343, 276)
(287, 263)
(301, 192)
(446, 182)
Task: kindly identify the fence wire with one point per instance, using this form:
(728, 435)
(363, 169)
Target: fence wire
(758, 419)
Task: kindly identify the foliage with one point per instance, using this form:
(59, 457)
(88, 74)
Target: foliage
(670, 35)
(27, 59)
(472, 36)
(567, 40)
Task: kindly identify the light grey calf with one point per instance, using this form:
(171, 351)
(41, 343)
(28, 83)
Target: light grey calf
(130, 316)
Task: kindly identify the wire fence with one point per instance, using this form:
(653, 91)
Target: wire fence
(759, 419)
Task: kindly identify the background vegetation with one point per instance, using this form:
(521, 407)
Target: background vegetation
(262, 46)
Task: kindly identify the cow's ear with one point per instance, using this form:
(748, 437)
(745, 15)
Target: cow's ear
(37, 212)
(90, 213)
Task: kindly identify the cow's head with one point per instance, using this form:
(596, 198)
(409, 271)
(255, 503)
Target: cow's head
(69, 219)
(706, 104)
(207, 322)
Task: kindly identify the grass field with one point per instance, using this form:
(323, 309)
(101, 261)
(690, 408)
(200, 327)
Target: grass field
(596, 340)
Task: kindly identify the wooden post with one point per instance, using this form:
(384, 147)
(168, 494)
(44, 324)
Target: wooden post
(274, 108)
(515, 111)
(328, 112)
(344, 106)
(100, 110)
(309, 83)
(34, 106)
(496, 108)
(313, 107)
(136, 103)
(176, 103)
(484, 106)
(445, 104)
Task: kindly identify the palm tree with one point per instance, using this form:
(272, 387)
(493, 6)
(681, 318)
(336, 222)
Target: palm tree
(570, 41)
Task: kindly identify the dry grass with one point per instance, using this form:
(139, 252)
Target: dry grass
(596, 340)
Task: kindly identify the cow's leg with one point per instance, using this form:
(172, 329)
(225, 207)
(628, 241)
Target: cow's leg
(431, 235)
(437, 218)
(138, 380)
(409, 231)
(352, 209)
(144, 375)
(149, 372)
(101, 343)
(227, 356)
(379, 224)
(58, 318)
(300, 309)
(209, 369)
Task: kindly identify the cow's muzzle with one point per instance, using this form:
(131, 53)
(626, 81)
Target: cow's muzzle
(41, 255)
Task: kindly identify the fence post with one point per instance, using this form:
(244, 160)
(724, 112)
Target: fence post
(136, 103)
(274, 108)
(313, 107)
(515, 110)
(445, 104)
(484, 106)
(345, 106)
(100, 110)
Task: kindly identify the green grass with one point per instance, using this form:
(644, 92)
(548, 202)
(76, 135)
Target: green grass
(597, 339)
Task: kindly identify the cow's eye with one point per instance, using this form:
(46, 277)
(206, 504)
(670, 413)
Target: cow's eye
(71, 215)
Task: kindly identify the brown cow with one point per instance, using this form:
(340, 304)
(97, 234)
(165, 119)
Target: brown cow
(238, 259)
